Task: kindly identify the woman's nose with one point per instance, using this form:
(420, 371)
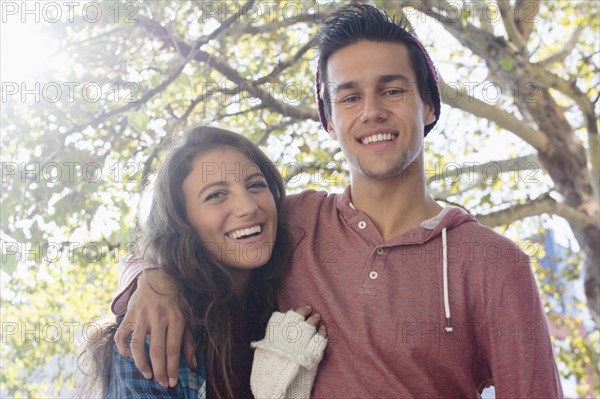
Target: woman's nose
(245, 205)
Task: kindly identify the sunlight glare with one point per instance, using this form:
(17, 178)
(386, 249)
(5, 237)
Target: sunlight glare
(28, 52)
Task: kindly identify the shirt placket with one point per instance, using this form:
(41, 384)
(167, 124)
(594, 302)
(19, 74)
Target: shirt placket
(375, 265)
(373, 271)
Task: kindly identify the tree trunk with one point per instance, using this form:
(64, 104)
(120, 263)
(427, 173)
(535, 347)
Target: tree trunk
(565, 160)
(563, 155)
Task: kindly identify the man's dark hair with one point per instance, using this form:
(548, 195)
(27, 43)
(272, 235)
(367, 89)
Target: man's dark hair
(355, 22)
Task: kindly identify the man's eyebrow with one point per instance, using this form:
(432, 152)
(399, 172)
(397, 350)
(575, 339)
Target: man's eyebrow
(391, 78)
(352, 84)
(343, 86)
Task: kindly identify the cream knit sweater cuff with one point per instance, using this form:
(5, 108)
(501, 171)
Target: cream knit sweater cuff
(286, 360)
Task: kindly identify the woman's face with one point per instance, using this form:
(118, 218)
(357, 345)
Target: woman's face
(228, 202)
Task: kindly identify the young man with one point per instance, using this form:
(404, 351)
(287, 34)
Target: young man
(419, 300)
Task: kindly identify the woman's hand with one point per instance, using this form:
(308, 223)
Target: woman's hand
(312, 319)
(286, 360)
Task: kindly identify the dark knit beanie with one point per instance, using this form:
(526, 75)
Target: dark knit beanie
(432, 79)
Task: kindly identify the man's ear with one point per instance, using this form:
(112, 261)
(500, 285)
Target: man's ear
(331, 130)
(428, 114)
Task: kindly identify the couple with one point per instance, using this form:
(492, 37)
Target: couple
(419, 300)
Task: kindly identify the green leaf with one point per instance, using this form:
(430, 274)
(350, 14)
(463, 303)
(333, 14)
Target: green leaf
(9, 263)
(507, 64)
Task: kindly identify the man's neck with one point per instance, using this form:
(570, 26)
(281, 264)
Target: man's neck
(396, 204)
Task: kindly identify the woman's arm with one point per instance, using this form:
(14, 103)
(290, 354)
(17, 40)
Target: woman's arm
(286, 360)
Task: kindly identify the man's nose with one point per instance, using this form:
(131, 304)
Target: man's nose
(373, 109)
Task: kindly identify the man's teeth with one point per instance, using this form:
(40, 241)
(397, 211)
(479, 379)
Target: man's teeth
(377, 137)
(245, 232)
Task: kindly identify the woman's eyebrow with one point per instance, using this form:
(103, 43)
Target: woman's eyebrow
(211, 185)
(254, 176)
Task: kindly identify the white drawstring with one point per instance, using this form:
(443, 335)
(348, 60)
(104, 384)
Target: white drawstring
(448, 327)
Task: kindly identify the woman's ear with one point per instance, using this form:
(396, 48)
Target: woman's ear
(331, 130)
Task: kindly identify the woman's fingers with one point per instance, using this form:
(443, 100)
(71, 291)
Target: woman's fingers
(314, 319)
(323, 331)
(304, 310)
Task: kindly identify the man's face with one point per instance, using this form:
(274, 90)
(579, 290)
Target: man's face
(377, 114)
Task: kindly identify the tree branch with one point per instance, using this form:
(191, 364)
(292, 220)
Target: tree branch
(547, 79)
(273, 26)
(230, 73)
(282, 66)
(461, 100)
(594, 154)
(483, 44)
(267, 132)
(542, 204)
(525, 13)
(565, 51)
(508, 19)
(127, 107)
(490, 169)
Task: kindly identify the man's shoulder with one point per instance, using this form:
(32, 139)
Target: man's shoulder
(309, 199)
(309, 194)
(488, 241)
(478, 231)
(308, 206)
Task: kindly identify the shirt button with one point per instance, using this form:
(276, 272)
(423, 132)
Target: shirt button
(373, 275)
(380, 251)
(362, 224)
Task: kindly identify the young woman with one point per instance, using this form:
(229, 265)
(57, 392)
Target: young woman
(214, 228)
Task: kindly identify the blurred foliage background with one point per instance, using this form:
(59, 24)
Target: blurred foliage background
(81, 135)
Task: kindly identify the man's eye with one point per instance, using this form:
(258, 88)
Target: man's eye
(350, 99)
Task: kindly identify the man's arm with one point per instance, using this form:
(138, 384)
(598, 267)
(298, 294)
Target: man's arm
(128, 283)
(517, 340)
(152, 309)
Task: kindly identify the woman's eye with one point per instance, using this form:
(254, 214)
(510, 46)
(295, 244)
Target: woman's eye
(393, 92)
(215, 195)
(257, 185)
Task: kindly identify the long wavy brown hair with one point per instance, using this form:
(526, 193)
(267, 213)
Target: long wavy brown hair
(205, 287)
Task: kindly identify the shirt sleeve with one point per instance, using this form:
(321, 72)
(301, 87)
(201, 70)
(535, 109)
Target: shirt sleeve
(126, 381)
(285, 366)
(128, 283)
(516, 338)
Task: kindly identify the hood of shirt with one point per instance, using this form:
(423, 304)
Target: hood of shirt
(448, 218)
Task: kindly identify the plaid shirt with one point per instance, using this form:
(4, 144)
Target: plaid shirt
(128, 382)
